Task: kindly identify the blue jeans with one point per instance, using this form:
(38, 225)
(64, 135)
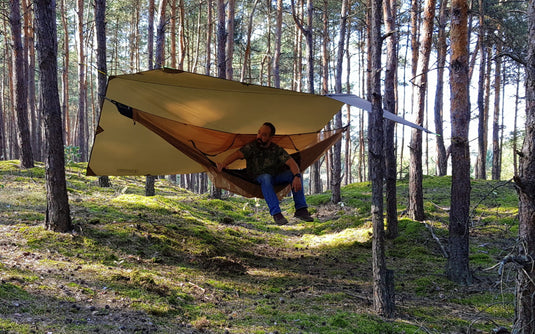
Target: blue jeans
(268, 182)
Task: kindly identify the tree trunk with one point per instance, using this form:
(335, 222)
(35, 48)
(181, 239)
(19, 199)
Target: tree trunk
(383, 292)
(57, 212)
(515, 125)
(389, 12)
(481, 164)
(100, 33)
(159, 57)
(277, 52)
(348, 164)
(457, 267)
(416, 198)
(65, 75)
(525, 183)
(246, 68)
(182, 35)
(81, 133)
(496, 147)
(21, 88)
(29, 50)
(149, 179)
(221, 63)
(150, 35)
(230, 39)
(442, 161)
(336, 178)
(221, 40)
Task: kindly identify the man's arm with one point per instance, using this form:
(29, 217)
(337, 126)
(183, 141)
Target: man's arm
(230, 159)
(297, 179)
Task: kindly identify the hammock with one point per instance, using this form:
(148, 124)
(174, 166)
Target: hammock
(179, 122)
(208, 147)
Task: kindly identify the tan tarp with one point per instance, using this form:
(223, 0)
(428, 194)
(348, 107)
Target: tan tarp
(168, 104)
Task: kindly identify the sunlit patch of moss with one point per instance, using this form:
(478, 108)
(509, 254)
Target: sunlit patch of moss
(346, 237)
(9, 326)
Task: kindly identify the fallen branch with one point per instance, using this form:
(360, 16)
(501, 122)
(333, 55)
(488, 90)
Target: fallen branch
(521, 260)
(430, 228)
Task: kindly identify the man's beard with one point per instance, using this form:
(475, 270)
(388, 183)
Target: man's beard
(261, 143)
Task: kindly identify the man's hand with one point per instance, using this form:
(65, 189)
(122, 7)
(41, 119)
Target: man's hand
(220, 166)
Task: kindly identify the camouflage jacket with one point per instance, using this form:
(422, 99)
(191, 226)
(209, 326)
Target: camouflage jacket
(271, 160)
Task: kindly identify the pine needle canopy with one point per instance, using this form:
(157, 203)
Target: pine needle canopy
(163, 122)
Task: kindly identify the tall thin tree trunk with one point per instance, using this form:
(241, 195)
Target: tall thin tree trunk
(246, 68)
(152, 58)
(159, 56)
(34, 117)
(150, 35)
(81, 132)
(389, 12)
(221, 63)
(481, 164)
(21, 89)
(442, 161)
(57, 212)
(524, 322)
(496, 147)
(336, 178)
(277, 52)
(458, 265)
(383, 281)
(515, 125)
(348, 164)
(102, 79)
(181, 35)
(416, 200)
(230, 39)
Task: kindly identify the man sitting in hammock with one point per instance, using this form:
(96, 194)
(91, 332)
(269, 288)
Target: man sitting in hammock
(270, 165)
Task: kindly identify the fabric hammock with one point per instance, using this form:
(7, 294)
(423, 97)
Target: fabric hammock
(207, 147)
(179, 122)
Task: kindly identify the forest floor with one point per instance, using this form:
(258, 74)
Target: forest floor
(179, 262)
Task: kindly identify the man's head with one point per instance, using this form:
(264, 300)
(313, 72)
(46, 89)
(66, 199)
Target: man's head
(265, 134)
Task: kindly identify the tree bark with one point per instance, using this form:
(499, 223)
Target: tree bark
(230, 39)
(336, 178)
(348, 155)
(221, 40)
(389, 12)
(246, 68)
(102, 78)
(496, 147)
(57, 212)
(159, 57)
(81, 132)
(457, 267)
(442, 46)
(481, 164)
(416, 198)
(524, 322)
(29, 51)
(383, 292)
(277, 51)
(150, 35)
(21, 88)
(221, 64)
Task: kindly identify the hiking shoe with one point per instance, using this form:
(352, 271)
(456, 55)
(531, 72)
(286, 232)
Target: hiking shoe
(279, 219)
(303, 215)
